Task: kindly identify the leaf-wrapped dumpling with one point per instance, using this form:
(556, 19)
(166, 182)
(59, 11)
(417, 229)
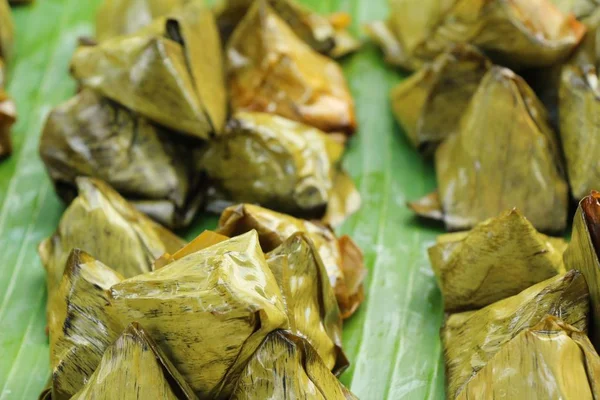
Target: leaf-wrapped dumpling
(583, 254)
(325, 35)
(498, 258)
(551, 360)
(307, 295)
(93, 136)
(100, 222)
(579, 113)
(286, 366)
(272, 161)
(272, 70)
(134, 368)
(472, 343)
(209, 311)
(504, 155)
(409, 26)
(177, 82)
(308, 298)
(343, 260)
(520, 33)
(430, 103)
(123, 17)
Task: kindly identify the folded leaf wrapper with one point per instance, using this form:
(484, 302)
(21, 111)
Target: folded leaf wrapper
(93, 136)
(582, 254)
(134, 368)
(579, 100)
(551, 360)
(201, 242)
(309, 299)
(296, 172)
(344, 199)
(521, 33)
(325, 35)
(8, 116)
(486, 168)
(409, 26)
(123, 17)
(78, 323)
(100, 222)
(286, 366)
(341, 257)
(475, 339)
(270, 69)
(497, 259)
(209, 311)
(430, 103)
(176, 83)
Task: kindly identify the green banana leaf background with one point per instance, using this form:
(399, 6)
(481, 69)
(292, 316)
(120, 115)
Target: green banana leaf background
(392, 341)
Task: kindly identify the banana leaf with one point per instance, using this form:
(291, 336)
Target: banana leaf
(296, 174)
(582, 254)
(497, 259)
(430, 103)
(286, 366)
(549, 360)
(100, 222)
(124, 17)
(325, 35)
(309, 299)
(471, 343)
(93, 136)
(487, 166)
(79, 326)
(206, 318)
(521, 33)
(135, 368)
(270, 69)
(176, 84)
(342, 259)
(579, 107)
